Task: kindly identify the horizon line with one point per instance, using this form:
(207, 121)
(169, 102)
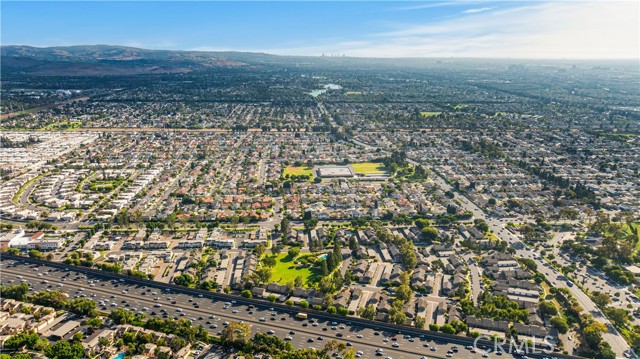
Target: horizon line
(339, 55)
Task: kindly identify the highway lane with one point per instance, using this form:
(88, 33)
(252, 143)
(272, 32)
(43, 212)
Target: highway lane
(361, 338)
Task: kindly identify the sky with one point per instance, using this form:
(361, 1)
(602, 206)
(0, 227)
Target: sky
(567, 29)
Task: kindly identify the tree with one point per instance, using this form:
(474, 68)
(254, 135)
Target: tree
(481, 226)
(54, 299)
(269, 262)
(592, 334)
(429, 233)
(529, 263)
(272, 298)
(605, 352)
(276, 249)
(63, 350)
(95, 323)
(121, 316)
(601, 299)
(17, 292)
(285, 225)
(235, 333)
(368, 312)
(403, 292)
(448, 329)
(262, 275)
(527, 231)
(246, 293)
(177, 344)
(184, 279)
(560, 324)
(82, 306)
(310, 224)
(298, 282)
(620, 317)
(422, 222)
(324, 269)
(420, 321)
(21, 340)
(34, 253)
(259, 250)
(548, 308)
(77, 337)
(599, 262)
(293, 252)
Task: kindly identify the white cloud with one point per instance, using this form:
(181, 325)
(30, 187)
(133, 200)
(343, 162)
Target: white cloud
(477, 10)
(571, 29)
(427, 6)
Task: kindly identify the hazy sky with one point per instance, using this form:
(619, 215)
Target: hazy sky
(515, 29)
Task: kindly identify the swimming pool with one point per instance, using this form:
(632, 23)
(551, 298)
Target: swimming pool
(119, 356)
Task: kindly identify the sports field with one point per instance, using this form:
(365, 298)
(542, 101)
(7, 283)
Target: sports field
(368, 168)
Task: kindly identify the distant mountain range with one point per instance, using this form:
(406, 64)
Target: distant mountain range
(112, 60)
(104, 60)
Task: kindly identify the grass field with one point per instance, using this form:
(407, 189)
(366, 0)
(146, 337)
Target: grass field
(429, 114)
(298, 171)
(353, 93)
(286, 271)
(491, 237)
(368, 168)
(63, 125)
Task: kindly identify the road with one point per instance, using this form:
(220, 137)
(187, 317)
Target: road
(214, 309)
(476, 282)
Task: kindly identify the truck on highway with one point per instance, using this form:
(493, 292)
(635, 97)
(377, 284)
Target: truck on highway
(302, 316)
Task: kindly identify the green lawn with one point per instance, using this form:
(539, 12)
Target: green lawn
(286, 271)
(298, 171)
(491, 237)
(63, 125)
(429, 114)
(368, 168)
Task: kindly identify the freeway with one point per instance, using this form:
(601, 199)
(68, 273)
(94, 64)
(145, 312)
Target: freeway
(212, 310)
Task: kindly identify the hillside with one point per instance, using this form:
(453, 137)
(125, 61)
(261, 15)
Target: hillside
(106, 60)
